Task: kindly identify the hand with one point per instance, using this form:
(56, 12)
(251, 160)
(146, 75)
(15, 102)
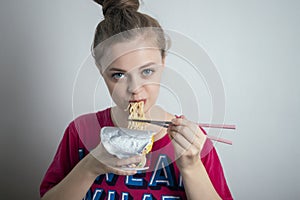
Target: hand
(188, 140)
(102, 162)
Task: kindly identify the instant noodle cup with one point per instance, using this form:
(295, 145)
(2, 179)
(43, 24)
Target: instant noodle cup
(125, 143)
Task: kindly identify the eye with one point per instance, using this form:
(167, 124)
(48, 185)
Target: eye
(147, 72)
(118, 76)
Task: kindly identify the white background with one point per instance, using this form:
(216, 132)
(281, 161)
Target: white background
(255, 46)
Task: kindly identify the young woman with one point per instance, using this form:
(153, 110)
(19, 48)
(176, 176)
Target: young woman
(129, 49)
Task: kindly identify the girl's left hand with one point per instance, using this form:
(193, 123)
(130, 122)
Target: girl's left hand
(188, 140)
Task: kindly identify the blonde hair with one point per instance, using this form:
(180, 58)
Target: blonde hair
(122, 17)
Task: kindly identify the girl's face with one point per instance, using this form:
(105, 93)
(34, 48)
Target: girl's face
(135, 76)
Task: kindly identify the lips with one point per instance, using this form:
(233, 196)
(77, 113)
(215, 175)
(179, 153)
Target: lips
(135, 101)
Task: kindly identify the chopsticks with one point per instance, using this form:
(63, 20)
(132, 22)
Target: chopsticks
(166, 124)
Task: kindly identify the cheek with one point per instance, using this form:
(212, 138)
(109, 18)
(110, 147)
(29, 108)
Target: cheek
(153, 90)
(110, 86)
(118, 93)
(114, 88)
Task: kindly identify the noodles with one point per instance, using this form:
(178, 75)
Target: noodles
(136, 111)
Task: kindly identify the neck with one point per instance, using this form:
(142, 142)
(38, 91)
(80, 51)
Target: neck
(119, 117)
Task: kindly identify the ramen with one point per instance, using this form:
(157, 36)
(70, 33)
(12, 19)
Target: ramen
(136, 111)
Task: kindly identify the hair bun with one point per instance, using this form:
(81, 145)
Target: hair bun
(110, 6)
(99, 2)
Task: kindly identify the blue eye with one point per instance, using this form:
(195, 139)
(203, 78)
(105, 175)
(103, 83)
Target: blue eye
(118, 76)
(147, 72)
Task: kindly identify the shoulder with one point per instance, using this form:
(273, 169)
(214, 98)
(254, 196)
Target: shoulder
(100, 118)
(87, 127)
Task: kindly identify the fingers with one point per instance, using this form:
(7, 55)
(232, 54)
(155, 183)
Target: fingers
(122, 172)
(183, 131)
(124, 167)
(190, 131)
(193, 144)
(131, 162)
(111, 164)
(180, 139)
(179, 148)
(182, 121)
(186, 133)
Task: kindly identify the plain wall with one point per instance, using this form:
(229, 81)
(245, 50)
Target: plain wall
(255, 46)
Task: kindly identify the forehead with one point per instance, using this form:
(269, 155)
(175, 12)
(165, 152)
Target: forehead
(136, 59)
(132, 53)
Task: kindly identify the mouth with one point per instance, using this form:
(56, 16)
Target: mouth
(136, 101)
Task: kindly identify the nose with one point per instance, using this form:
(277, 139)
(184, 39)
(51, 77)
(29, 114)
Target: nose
(134, 85)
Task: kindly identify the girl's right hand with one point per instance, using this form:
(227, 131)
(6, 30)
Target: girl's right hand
(102, 162)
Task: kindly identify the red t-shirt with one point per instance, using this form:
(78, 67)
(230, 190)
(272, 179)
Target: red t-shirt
(163, 181)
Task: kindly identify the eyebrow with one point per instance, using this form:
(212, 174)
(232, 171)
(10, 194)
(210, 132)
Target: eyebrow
(141, 67)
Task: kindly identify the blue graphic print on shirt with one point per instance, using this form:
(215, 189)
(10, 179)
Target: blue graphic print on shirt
(163, 175)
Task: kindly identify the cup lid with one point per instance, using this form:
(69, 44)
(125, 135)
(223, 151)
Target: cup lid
(124, 142)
